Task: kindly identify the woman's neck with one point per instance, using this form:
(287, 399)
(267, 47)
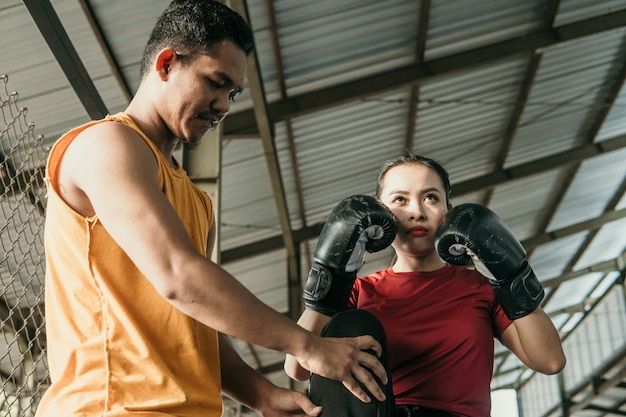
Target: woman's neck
(429, 263)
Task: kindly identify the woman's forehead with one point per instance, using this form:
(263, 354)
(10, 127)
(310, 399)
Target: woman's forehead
(413, 174)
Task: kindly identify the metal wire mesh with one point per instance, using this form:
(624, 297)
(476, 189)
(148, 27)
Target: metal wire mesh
(23, 369)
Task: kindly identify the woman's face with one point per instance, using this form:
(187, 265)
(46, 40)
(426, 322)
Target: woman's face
(416, 195)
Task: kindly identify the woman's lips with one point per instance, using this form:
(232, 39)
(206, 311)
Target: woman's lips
(418, 231)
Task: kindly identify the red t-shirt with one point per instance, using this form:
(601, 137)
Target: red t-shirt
(440, 329)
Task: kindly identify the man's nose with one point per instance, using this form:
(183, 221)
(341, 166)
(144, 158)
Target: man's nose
(221, 104)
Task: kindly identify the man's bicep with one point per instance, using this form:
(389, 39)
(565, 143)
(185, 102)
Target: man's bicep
(120, 180)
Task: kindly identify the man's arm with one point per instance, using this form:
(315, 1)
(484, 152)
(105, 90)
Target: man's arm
(536, 342)
(314, 322)
(243, 384)
(111, 172)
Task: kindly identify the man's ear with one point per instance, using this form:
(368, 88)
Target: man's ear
(163, 62)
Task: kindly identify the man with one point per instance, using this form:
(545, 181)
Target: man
(135, 310)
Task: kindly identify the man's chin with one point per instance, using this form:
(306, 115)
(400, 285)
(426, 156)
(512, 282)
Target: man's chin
(194, 142)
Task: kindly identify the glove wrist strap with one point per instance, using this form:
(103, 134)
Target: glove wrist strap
(327, 291)
(519, 295)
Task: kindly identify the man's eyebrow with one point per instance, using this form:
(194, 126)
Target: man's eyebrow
(228, 82)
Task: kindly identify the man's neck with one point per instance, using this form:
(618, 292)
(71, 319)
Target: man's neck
(154, 128)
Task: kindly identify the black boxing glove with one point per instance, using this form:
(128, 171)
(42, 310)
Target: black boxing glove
(472, 231)
(357, 224)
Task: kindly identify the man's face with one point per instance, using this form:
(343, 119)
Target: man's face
(199, 90)
(416, 196)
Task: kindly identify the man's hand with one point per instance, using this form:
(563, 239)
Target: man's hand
(346, 360)
(283, 402)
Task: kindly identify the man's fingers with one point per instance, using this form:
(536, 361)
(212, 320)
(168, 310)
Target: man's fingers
(364, 375)
(372, 364)
(307, 406)
(368, 343)
(353, 386)
(361, 373)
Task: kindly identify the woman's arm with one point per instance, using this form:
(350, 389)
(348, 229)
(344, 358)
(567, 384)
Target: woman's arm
(536, 342)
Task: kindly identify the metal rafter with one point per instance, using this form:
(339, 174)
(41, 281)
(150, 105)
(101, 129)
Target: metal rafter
(597, 118)
(56, 37)
(597, 115)
(265, 126)
(294, 282)
(528, 169)
(552, 8)
(243, 123)
(516, 115)
(106, 49)
(422, 36)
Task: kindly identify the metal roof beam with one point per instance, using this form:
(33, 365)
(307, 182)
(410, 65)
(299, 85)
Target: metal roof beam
(584, 226)
(611, 411)
(243, 123)
(54, 33)
(571, 156)
(106, 49)
(266, 132)
(420, 41)
(516, 115)
(614, 80)
(274, 243)
(612, 265)
(486, 181)
(608, 383)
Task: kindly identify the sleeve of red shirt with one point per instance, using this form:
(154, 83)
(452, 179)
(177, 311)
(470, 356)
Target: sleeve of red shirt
(500, 321)
(354, 296)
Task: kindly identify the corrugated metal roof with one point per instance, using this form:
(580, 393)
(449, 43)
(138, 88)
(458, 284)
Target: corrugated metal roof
(461, 25)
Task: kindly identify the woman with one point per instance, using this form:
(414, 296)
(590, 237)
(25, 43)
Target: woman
(439, 319)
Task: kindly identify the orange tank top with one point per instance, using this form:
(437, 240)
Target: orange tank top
(115, 346)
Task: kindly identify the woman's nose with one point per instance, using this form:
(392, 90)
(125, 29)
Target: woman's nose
(416, 211)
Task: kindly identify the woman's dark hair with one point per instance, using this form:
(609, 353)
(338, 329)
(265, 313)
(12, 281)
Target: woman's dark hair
(415, 159)
(191, 27)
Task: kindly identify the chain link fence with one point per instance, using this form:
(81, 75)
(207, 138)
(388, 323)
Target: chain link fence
(23, 370)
